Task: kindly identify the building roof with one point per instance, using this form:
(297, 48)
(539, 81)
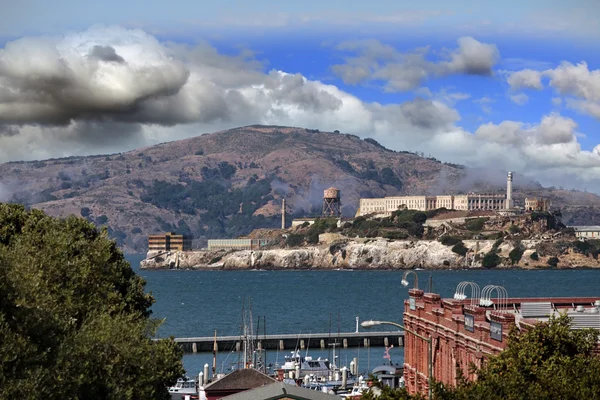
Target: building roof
(241, 379)
(590, 228)
(280, 390)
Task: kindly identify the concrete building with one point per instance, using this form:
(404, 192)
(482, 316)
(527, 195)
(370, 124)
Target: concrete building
(587, 232)
(463, 202)
(463, 331)
(466, 202)
(236, 244)
(169, 241)
(535, 204)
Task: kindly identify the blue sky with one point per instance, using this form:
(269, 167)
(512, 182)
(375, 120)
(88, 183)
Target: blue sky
(514, 85)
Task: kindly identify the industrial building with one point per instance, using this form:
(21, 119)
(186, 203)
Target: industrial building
(586, 232)
(237, 244)
(169, 241)
(467, 330)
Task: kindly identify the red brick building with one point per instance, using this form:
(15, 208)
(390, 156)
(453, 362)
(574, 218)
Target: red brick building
(464, 332)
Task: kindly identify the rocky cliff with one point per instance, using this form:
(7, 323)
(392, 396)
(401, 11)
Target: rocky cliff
(366, 254)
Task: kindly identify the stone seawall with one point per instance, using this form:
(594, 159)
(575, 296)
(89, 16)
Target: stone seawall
(370, 254)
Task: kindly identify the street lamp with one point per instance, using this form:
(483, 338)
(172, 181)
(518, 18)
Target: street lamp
(371, 323)
(404, 282)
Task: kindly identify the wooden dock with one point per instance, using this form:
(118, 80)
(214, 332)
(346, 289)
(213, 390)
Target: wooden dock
(295, 341)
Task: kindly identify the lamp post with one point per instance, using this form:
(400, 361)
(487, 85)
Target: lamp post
(370, 324)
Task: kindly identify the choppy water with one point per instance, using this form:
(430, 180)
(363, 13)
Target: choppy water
(195, 303)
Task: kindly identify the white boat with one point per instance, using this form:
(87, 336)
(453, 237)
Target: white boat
(357, 391)
(184, 386)
(306, 365)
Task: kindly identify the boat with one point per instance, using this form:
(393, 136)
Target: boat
(357, 391)
(184, 386)
(306, 366)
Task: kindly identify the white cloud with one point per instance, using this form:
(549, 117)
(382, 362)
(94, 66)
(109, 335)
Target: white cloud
(375, 61)
(576, 80)
(585, 107)
(525, 79)
(124, 89)
(472, 57)
(519, 98)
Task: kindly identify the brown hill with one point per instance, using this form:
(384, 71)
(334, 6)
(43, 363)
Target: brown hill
(228, 183)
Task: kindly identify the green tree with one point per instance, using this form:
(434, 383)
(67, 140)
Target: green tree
(549, 361)
(74, 317)
(490, 260)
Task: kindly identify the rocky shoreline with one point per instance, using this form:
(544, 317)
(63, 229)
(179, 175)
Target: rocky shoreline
(371, 254)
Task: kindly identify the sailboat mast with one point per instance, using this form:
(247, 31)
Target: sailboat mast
(215, 347)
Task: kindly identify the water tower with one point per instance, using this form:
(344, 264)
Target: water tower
(332, 206)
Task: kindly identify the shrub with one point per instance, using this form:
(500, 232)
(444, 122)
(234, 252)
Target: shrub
(516, 254)
(553, 261)
(490, 260)
(460, 249)
(85, 212)
(395, 235)
(294, 240)
(514, 229)
(475, 224)
(449, 240)
(534, 256)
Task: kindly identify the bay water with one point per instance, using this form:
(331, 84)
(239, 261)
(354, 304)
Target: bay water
(196, 303)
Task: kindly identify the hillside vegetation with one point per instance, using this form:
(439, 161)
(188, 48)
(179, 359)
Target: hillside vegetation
(228, 183)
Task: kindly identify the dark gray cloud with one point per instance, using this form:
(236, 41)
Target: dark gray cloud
(106, 53)
(8, 130)
(427, 115)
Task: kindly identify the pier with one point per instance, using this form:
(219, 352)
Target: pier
(294, 341)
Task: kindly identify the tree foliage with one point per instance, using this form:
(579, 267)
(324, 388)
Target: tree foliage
(550, 361)
(74, 317)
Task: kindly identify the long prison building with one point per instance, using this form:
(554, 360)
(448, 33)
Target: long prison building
(387, 205)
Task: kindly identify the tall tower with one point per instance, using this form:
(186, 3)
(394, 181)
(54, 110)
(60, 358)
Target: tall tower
(332, 205)
(283, 214)
(509, 199)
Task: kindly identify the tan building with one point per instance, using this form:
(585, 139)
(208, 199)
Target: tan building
(472, 201)
(236, 244)
(535, 204)
(169, 241)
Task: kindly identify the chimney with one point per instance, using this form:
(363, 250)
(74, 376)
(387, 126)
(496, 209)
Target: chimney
(509, 200)
(283, 214)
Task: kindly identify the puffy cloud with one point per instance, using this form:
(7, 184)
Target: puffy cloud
(104, 73)
(576, 80)
(525, 79)
(507, 132)
(375, 61)
(123, 89)
(567, 79)
(585, 107)
(472, 57)
(519, 98)
(428, 114)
